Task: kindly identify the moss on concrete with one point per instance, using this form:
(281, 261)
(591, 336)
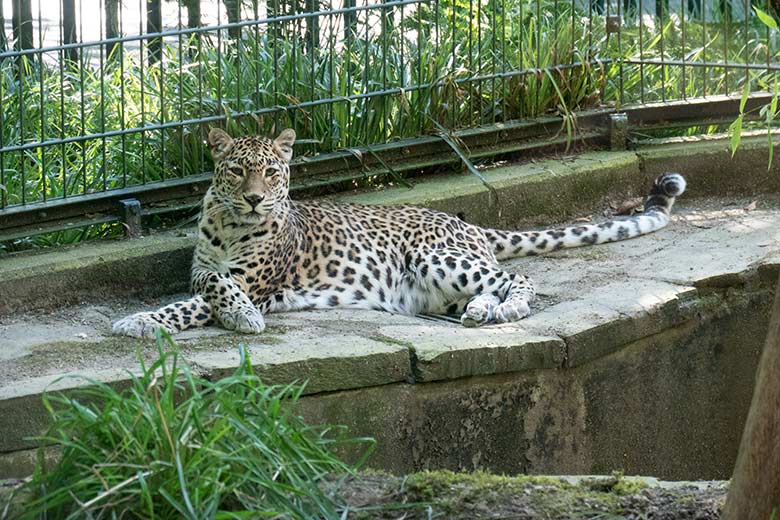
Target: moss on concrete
(456, 493)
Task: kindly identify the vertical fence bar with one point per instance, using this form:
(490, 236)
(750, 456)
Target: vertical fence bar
(183, 170)
(291, 33)
(368, 100)
(400, 127)
(493, 57)
(21, 74)
(682, 22)
(42, 102)
(3, 181)
(82, 102)
(768, 8)
(313, 30)
(454, 62)
(122, 99)
(504, 115)
(745, 41)
(420, 38)
(102, 49)
(523, 80)
(538, 49)
(572, 57)
(63, 123)
(201, 130)
(161, 92)
(238, 48)
(726, 24)
(478, 72)
(256, 60)
(143, 42)
(641, 52)
(383, 36)
(220, 106)
(349, 22)
(662, 18)
(705, 72)
(620, 15)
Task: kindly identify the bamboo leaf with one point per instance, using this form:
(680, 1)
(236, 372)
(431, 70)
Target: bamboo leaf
(766, 18)
(735, 129)
(745, 94)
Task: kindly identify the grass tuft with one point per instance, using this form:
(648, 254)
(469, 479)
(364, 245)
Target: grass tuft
(174, 445)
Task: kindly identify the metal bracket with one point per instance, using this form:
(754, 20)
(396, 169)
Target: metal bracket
(130, 215)
(613, 24)
(618, 131)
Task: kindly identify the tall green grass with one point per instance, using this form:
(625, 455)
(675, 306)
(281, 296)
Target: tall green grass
(175, 445)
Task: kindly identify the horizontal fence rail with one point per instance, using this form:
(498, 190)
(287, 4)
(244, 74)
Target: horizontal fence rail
(102, 101)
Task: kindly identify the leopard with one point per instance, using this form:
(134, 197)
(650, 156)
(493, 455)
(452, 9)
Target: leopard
(258, 251)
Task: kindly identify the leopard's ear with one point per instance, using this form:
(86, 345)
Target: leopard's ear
(220, 143)
(284, 144)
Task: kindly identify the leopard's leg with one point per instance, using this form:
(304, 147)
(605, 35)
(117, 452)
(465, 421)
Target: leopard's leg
(172, 318)
(449, 279)
(230, 306)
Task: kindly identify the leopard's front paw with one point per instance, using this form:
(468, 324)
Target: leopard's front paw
(140, 325)
(248, 321)
(512, 311)
(480, 310)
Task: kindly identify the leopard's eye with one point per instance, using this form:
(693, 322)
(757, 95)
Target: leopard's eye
(271, 170)
(236, 170)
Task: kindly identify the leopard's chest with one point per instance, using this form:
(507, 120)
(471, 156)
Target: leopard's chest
(259, 266)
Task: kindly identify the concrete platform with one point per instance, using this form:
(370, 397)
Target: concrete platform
(634, 350)
(591, 301)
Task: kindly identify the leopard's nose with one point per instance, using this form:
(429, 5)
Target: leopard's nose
(253, 199)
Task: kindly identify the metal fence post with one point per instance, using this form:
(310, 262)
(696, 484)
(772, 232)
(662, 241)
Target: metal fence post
(618, 131)
(130, 214)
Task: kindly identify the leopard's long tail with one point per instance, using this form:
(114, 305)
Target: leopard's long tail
(658, 206)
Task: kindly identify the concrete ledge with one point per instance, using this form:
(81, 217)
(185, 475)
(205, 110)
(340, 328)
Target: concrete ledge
(453, 352)
(156, 265)
(717, 173)
(530, 194)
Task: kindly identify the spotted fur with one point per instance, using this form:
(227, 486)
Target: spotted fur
(258, 251)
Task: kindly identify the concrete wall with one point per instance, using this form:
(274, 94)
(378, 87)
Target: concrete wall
(671, 405)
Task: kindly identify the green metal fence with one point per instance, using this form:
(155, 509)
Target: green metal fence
(102, 99)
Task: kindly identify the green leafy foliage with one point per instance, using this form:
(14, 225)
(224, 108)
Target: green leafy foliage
(174, 445)
(768, 112)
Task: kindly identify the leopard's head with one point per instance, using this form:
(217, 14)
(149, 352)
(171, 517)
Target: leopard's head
(252, 173)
